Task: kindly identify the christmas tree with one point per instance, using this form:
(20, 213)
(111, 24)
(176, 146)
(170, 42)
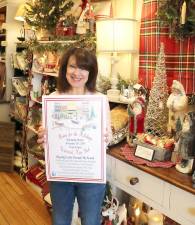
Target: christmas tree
(44, 14)
(157, 111)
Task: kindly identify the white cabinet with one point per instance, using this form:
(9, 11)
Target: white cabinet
(182, 205)
(174, 202)
(135, 181)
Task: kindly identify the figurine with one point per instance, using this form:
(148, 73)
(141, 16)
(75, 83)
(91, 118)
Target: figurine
(193, 179)
(136, 111)
(177, 104)
(115, 212)
(186, 143)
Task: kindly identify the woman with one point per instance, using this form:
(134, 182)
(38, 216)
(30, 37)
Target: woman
(77, 76)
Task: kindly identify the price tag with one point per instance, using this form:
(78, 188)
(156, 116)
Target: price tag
(145, 153)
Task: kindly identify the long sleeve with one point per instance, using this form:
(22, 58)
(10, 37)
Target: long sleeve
(108, 122)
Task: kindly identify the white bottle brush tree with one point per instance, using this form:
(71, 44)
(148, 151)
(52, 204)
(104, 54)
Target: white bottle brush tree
(157, 111)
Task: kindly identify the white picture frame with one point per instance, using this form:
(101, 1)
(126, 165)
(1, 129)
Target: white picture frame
(75, 149)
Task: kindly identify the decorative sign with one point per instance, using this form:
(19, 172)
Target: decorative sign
(75, 149)
(143, 152)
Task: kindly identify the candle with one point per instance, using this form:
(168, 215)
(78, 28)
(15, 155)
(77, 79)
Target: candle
(137, 214)
(183, 13)
(155, 218)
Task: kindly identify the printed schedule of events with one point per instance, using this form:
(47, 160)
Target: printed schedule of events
(75, 150)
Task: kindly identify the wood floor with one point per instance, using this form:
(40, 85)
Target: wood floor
(19, 203)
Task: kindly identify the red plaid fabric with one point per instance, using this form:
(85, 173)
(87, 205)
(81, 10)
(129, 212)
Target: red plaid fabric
(129, 155)
(179, 55)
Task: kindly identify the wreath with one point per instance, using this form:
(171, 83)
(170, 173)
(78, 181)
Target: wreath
(179, 16)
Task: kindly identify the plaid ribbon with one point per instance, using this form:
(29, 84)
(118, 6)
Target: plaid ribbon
(179, 54)
(129, 155)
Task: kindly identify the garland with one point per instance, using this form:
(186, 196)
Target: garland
(179, 16)
(61, 44)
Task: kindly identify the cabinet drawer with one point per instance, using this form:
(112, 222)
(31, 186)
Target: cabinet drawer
(147, 185)
(183, 203)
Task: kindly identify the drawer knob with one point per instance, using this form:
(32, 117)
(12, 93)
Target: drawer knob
(133, 180)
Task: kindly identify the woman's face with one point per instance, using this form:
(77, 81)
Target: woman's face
(76, 77)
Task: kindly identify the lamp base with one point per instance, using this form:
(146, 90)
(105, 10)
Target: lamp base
(113, 94)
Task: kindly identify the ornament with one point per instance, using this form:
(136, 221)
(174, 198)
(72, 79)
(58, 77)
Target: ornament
(41, 15)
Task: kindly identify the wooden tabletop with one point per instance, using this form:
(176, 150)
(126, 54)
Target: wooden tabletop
(170, 175)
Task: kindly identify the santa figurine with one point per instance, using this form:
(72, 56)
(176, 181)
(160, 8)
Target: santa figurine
(136, 111)
(177, 104)
(185, 147)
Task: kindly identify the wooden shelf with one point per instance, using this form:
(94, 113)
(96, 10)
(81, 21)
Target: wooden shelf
(44, 73)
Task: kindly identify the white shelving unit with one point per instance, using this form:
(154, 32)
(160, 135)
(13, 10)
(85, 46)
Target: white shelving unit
(12, 31)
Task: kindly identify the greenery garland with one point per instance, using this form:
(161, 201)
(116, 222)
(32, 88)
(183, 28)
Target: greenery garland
(170, 13)
(61, 44)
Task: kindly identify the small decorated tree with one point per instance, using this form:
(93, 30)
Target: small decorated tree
(44, 14)
(157, 111)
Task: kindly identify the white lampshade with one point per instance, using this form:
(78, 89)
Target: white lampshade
(116, 35)
(20, 14)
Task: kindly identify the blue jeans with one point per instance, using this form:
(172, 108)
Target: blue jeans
(89, 196)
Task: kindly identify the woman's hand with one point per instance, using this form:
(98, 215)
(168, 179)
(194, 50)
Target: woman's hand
(41, 135)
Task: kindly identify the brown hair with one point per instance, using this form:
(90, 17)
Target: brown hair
(85, 60)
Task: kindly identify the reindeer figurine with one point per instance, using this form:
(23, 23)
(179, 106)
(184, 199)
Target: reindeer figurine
(115, 212)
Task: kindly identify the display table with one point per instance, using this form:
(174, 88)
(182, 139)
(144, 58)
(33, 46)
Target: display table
(166, 190)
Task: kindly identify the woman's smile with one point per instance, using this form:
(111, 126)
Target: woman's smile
(76, 76)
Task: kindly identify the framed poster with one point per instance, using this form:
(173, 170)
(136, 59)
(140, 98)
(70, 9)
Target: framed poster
(75, 149)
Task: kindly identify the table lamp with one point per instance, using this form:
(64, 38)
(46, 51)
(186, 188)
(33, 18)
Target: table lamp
(115, 36)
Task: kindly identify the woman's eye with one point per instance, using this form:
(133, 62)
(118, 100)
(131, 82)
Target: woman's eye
(72, 66)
